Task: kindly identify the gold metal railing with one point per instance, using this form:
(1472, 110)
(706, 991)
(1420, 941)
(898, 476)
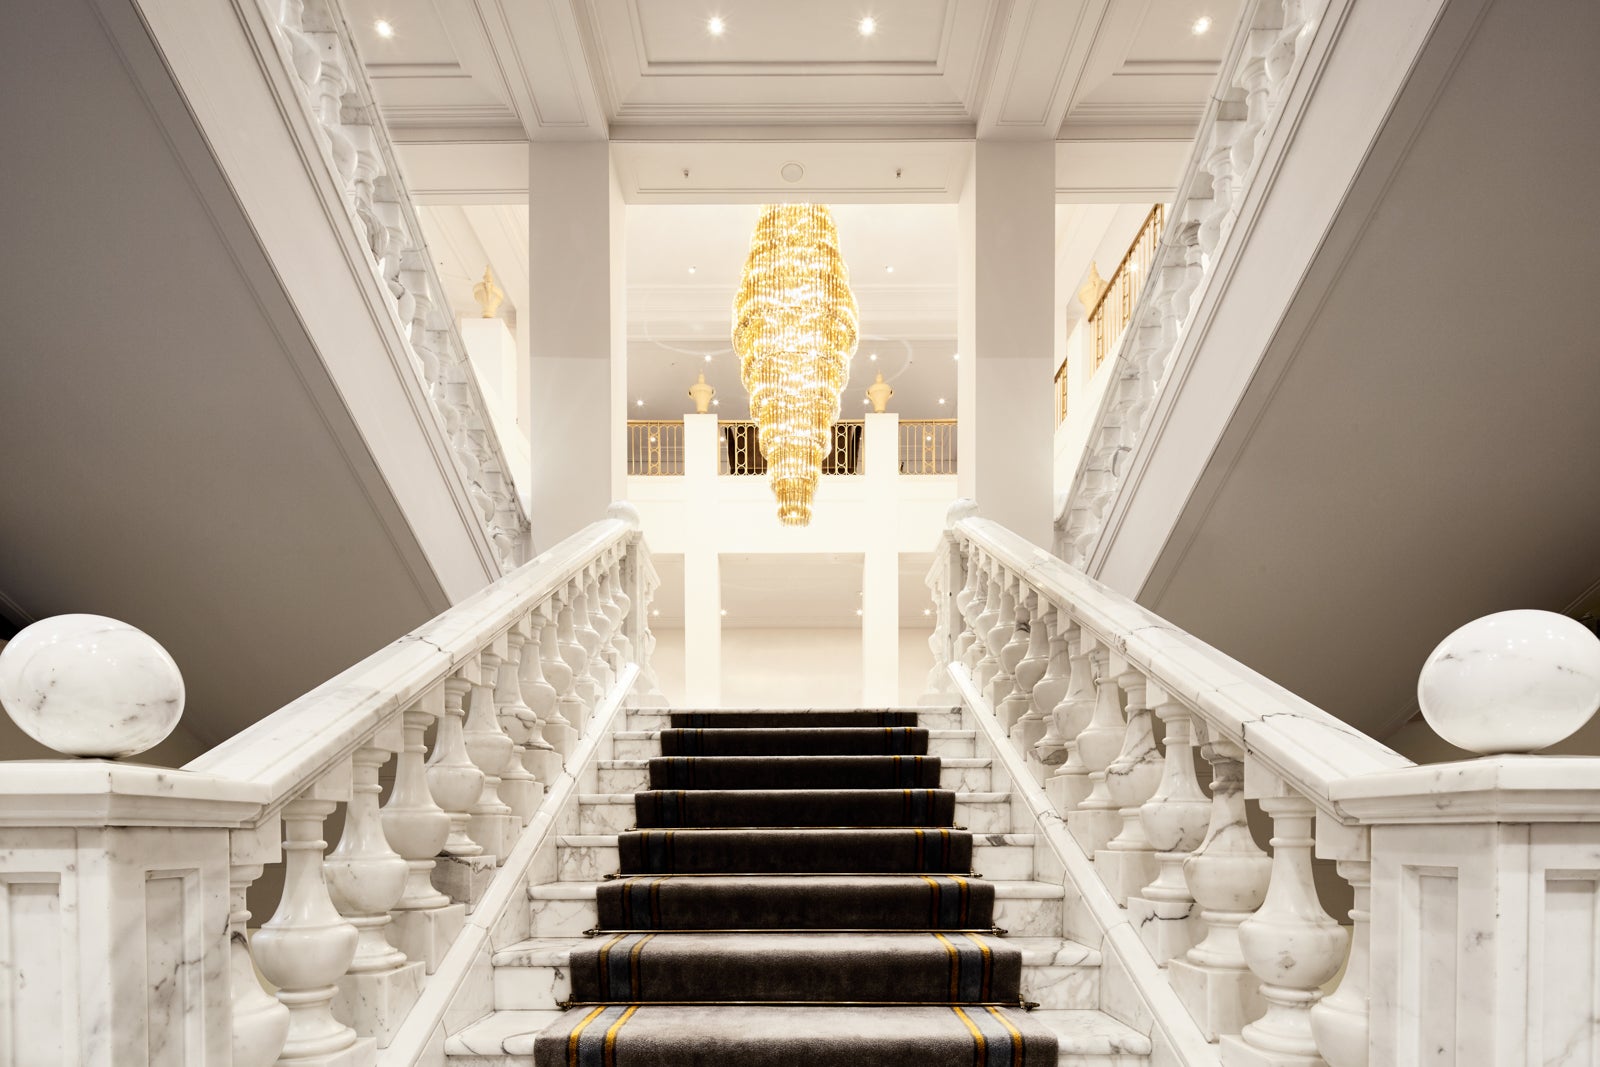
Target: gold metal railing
(655, 446)
(1061, 392)
(1114, 309)
(740, 451)
(928, 446)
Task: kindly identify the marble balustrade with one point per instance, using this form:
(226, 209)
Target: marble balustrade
(360, 923)
(1237, 931)
(1262, 64)
(321, 57)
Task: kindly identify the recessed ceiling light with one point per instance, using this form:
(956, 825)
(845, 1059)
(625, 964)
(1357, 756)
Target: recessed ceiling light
(955, 355)
(858, 611)
(655, 611)
(865, 401)
(708, 357)
(692, 269)
(873, 357)
(1201, 25)
(724, 611)
(639, 403)
(868, 26)
(716, 25)
(941, 400)
(927, 611)
(888, 270)
(716, 403)
(384, 27)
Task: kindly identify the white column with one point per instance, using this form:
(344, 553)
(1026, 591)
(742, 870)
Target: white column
(880, 573)
(1006, 334)
(702, 573)
(578, 337)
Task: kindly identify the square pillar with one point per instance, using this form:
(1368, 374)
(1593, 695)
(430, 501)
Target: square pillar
(1006, 331)
(880, 571)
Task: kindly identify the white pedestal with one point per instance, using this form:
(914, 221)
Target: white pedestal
(1125, 873)
(1221, 1001)
(1235, 1053)
(376, 1004)
(428, 934)
(496, 833)
(464, 879)
(1167, 928)
(1092, 828)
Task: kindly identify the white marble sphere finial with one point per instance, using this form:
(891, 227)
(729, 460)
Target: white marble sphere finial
(86, 685)
(1515, 681)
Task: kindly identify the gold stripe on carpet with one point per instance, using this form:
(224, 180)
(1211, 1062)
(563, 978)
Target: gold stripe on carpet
(611, 1036)
(1019, 1051)
(979, 1045)
(577, 1032)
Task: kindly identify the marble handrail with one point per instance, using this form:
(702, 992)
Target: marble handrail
(1263, 62)
(295, 745)
(320, 53)
(1300, 742)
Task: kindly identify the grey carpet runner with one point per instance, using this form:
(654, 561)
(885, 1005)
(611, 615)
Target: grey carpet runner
(795, 892)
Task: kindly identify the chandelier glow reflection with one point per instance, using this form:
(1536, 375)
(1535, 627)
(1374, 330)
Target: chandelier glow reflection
(794, 328)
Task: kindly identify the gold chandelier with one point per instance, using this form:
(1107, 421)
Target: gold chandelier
(794, 328)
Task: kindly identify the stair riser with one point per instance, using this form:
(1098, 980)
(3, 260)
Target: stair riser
(928, 718)
(646, 747)
(589, 863)
(981, 817)
(543, 988)
(1019, 916)
(634, 779)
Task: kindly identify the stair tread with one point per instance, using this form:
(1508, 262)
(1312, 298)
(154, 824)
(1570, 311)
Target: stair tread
(979, 840)
(1080, 1032)
(644, 764)
(653, 735)
(555, 951)
(962, 797)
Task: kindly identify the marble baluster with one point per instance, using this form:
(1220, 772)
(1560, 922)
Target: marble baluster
(307, 945)
(454, 780)
(1341, 1020)
(1051, 748)
(1290, 943)
(593, 622)
(1175, 820)
(577, 658)
(1016, 701)
(518, 787)
(1128, 862)
(1227, 876)
(568, 714)
(1219, 166)
(1281, 56)
(544, 755)
(618, 606)
(1032, 723)
(1096, 820)
(366, 879)
(964, 604)
(424, 921)
(491, 821)
(1070, 784)
(999, 636)
(260, 1021)
(984, 662)
(1252, 80)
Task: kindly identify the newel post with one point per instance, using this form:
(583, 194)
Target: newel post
(1484, 940)
(120, 876)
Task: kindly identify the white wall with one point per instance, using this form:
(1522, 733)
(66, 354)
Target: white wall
(798, 667)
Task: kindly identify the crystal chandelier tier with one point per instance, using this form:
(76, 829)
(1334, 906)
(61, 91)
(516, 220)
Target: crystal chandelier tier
(794, 328)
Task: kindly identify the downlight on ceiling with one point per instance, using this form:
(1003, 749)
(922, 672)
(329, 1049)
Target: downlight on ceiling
(384, 28)
(715, 26)
(867, 26)
(1201, 25)
(791, 172)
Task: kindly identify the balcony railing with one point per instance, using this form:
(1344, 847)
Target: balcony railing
(655, 446)
(741, 449)
(1114, 309)
(928, 446)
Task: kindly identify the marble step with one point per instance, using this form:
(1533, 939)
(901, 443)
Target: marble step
(610, 813)
(962, 774)
(1088, 1038)
(1023, 908)
(660, 718)
(1055, 974)
(590, 857)
(642, 744)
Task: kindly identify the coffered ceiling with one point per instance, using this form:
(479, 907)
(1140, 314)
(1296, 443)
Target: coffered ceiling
(652, 70)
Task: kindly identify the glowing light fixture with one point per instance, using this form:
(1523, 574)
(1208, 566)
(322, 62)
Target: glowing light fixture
(795, 330)
(384, 28)
(868, 26)
(1201, 25)
(716, 26)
